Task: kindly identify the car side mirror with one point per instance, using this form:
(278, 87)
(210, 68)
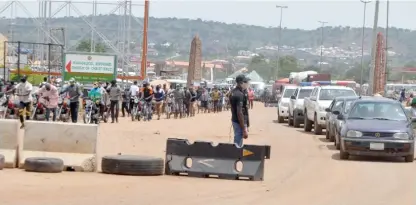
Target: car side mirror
(293, 97)
(340, 117)
(336, 112)
(327, 110)
(413, 119)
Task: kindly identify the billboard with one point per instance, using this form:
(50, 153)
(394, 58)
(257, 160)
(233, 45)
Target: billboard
(89, 67)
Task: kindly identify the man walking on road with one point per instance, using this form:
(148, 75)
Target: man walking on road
(239, 110)
(23, 92)
(74, 92)
(115, 95)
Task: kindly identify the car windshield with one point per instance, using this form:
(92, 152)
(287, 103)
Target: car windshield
(347, 105)
(303, 93)
(330, 94)
(288, 93)
(377, 110)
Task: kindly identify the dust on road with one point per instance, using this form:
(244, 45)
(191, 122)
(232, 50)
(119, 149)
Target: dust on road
(304, 169)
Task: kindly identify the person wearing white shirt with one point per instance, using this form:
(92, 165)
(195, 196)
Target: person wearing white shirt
(134, 91)
(24, 94)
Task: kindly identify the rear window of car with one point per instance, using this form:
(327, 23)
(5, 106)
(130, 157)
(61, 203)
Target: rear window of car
(303, 93)
(330, 94)
(288, 92)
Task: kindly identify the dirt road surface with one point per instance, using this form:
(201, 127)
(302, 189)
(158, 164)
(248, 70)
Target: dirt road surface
(304, 169)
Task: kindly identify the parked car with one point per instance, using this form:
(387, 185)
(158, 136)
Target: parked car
(296, 105)
(341, 105)
(283, 105)
(377, 126)
(320, 99)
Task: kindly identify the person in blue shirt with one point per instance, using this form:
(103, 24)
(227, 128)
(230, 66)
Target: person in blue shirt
(159, 95)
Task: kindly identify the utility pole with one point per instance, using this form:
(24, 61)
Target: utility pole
(322, 41)
(276, 75)
(144, 44)
(373, 50)
(362, 43)
(387, 45)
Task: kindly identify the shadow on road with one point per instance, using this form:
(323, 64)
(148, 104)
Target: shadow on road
(323, 139)
(370, 159)
(331, 147)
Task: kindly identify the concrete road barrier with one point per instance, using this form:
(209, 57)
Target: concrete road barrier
(9, 132)
(75, 144)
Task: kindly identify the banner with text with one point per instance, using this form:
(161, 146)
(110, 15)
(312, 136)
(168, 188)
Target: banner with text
(90, 67)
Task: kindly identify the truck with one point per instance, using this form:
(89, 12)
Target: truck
(308, 76)
(315, 105)
(283, 104)
(296, 105)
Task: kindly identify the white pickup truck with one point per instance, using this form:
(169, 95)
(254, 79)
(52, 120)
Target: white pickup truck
(320, 99)
(283, 105)
(296, 105)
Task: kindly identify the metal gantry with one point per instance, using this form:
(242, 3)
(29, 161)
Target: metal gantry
(44, 32)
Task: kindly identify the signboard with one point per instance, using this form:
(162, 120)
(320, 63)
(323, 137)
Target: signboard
(89, 67)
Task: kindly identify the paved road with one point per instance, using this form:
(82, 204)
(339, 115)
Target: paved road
(304, 169)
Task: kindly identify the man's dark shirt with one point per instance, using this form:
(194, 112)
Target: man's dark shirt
(238, 98)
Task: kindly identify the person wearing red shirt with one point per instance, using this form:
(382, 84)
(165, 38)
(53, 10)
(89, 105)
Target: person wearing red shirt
(251, 97)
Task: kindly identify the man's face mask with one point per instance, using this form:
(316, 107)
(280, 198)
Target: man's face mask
(23, 80)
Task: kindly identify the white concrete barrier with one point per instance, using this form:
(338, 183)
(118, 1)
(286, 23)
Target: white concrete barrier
(75, 144)
(9, 135)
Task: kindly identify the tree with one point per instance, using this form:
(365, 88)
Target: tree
(85, 46)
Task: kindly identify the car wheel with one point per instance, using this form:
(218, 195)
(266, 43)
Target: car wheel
(331, 135)
(409, 158)
(343, 155)
(290, 120)
(280, 119)
(336, 140)
(317, 128)
(308, 124)
(327, 132)
(296, 123)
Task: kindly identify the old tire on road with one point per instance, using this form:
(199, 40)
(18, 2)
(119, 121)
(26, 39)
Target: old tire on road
(132, 165)
(2, 161)
(44, 165)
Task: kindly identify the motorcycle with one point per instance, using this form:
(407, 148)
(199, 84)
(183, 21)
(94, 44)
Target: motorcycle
(39, 110)
(8, 108)
(136, 109)
(92, 112)
(169, 106)
(63, 109)
(106, 113)
(146, 111)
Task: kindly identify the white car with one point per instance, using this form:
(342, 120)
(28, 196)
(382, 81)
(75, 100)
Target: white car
(283, 105)
(296, 105)
(320, 99)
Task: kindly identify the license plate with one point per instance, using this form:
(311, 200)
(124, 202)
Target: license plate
(376, 146)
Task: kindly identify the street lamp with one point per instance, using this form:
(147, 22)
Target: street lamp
(362, 41)
(322, 41)
(280, 38)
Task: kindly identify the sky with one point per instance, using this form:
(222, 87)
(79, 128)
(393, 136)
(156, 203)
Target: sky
(299, 14)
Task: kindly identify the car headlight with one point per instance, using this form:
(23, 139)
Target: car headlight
(401, 135)
(353, 133)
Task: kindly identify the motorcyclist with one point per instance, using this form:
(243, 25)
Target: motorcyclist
(95, 94)
(125, 95)
(11, 88)
(50, 97)
(187, 100)
(24, 94)
(115, 95)
(146, 93)
(192, 104)
(159, 97)
(45, 80)
(74, 93)
(179, 95)
(134, 91)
